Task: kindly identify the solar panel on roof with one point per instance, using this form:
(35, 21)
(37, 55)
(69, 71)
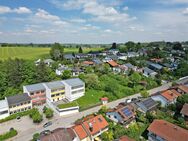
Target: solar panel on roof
(126, 112)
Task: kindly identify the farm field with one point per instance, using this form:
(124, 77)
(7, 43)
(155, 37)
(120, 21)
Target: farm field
(31, 53)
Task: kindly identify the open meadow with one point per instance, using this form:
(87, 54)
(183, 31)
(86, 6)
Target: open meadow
(32, 53)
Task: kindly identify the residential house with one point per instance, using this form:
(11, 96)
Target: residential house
(76, 71)
(124, 138)
(19, 103)
(183, 89)
(161, 130)
(184, 111)
(4, 109)
(88, 63)
(81, 132)
(107, 59)
(68, 57)
(74, 88)
(154, 66)
(61, 69)
(113, 51)
(114, 66)
(148, 72)
(166, 97)
(113, 57)
(132, 54)
(37, 92)
(81, 56)
(60, 134)
(122, 114)
(48, 62)
(130, 66)
(123, 69)
(97, 61)
(147, 105)
(90, 129)
(122, 56)
(55, 91)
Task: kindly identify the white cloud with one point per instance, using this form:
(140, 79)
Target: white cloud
(173, 1)
(125, 8)
(42, 14)
(78, 20)
(19, 10)
(22, 10)
(108, 30)
(185, 12)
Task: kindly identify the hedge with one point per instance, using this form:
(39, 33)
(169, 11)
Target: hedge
(8, 135)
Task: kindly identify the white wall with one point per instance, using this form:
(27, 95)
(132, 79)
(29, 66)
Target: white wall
(68, 111)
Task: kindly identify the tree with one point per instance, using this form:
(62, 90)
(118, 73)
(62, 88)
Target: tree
(35, 115)
(91, 80)
(107, 136)
(177, 46)
(42, 72)
(130, 45)
(80, 50)
(114, 46)
(66, 74)
(144, 93)
(49, 113)
(57, 51)
(36, 137)
(135, 78)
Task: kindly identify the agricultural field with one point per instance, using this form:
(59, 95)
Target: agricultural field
(31, 53)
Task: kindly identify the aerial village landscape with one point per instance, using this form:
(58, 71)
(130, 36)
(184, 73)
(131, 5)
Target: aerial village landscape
(93, 77)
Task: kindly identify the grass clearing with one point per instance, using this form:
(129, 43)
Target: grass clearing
(33, 53)
(68, 105)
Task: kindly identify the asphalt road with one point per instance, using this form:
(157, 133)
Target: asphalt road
(26, 128)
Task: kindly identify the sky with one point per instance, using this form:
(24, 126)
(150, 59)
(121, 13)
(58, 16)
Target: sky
(93, 21)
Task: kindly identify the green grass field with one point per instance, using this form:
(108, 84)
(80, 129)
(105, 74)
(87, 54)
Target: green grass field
(30, 53)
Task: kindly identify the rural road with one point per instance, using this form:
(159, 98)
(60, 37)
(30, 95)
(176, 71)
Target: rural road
(26, 128)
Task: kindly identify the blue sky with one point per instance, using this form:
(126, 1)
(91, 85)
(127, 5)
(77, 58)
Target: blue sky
(93, 21)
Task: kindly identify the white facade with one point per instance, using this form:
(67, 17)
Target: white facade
(4, 109)
(68, 111)
(72, 93)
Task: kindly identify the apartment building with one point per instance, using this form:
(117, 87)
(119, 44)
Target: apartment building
(74, 88)
(55, 91)
(19, 103)
(4, 109)
(37, 92)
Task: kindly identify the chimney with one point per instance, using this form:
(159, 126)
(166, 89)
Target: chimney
(90, 126)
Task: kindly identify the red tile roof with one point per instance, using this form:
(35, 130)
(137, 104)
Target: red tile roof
(183, 88)
(80, 132)
(169, 95)
(104, 98)
(113, 63)
(168, 131)
(125, 138)
(97, 123)
(88, 62)
(184, 110)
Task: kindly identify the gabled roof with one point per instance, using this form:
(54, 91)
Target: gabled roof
(125, 138)
(169, 95)
(48, 61)
(80, 131)
(168, 131)
(59, 134)
(112, 63)
(35, 87)
(55, 85)
(147, 104)
(129, 65)
(126, 112)
(17, 99)
(146, 69)
(96, 123)
(74, 82)
(68, 56)
(88, 62)
(184, 110)
(183, 88)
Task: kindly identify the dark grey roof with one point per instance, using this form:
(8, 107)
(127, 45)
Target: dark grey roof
(17, 99)
(147, 104)
(68, 56)
(146, 69)
(74, 82)
(97, 61)
(35, 87)
(54, 85)
(129, 65)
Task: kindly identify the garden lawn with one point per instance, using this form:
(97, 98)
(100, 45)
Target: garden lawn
(67, 105)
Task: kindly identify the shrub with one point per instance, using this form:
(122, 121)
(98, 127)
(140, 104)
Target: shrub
(8, 135)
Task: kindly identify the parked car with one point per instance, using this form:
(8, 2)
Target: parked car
(18, 118)
(45, 132)
(47, 124)
(128, 101)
